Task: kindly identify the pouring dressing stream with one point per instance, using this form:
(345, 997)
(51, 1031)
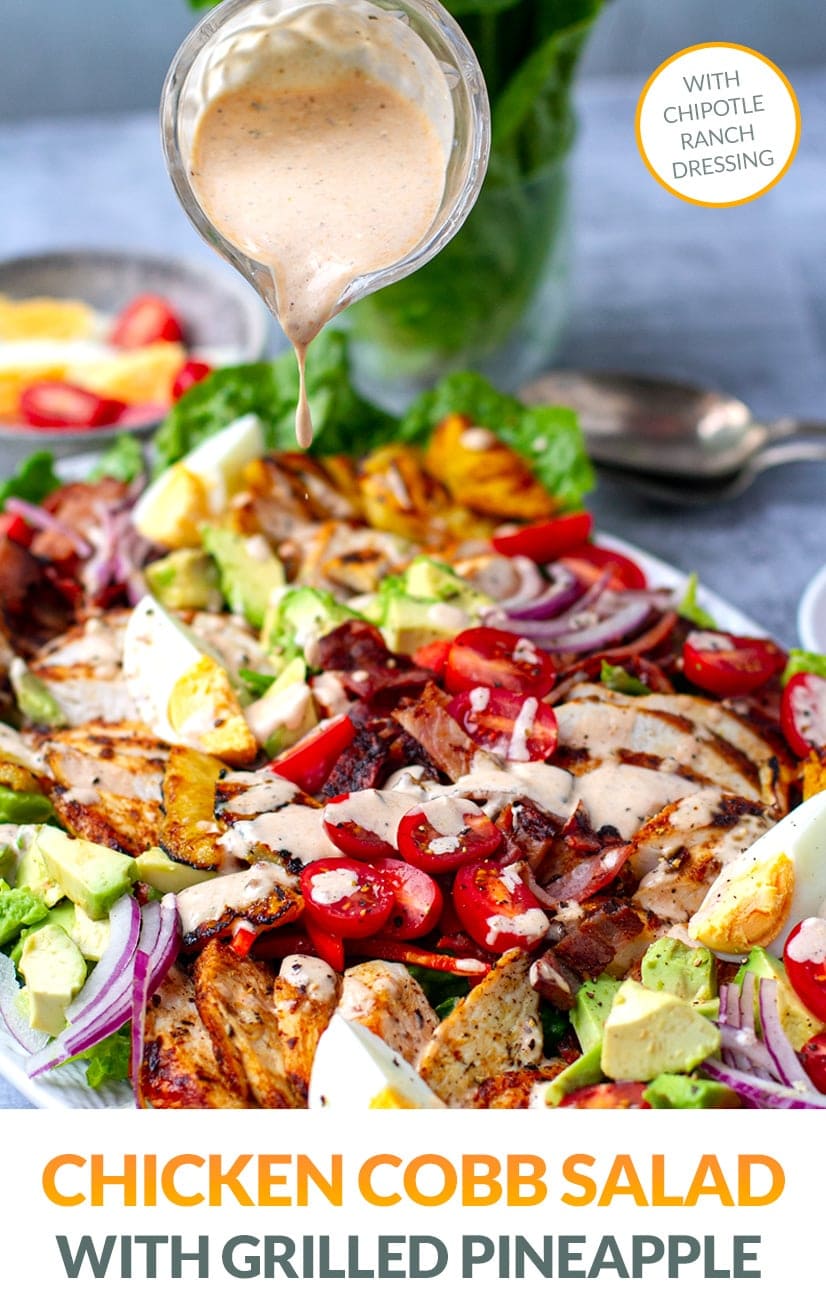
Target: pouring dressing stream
(318, 143)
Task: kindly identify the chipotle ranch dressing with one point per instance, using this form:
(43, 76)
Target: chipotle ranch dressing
(319, 150)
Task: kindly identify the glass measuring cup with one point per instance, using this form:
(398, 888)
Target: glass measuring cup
(187, 87)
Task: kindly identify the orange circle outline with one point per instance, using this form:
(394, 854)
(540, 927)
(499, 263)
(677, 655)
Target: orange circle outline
(709, 45)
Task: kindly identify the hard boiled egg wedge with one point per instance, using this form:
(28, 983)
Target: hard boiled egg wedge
(355, 1070)
(763, 893)
(199, 486)
(180, 688)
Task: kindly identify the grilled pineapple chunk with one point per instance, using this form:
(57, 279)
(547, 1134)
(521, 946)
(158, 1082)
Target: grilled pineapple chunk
(400, 496)
(483, 473)
(190, 832)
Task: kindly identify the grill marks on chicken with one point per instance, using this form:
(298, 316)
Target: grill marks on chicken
(105, 783)
(234, 999)
(180, 1070)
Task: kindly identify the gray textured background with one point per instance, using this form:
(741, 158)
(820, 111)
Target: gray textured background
(93, 56)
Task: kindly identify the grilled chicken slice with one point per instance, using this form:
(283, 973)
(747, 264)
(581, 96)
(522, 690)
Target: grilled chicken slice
(385, 999)
(592, 731)
(83, 670)
(678, 853)
(512, 1090)
(495, 1028)
(234, 1000)
(179, 1069)
(305, 994)
(106, 783)
(259, 897)
(775, 766)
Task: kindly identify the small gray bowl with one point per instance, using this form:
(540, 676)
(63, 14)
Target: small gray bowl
(221, 316)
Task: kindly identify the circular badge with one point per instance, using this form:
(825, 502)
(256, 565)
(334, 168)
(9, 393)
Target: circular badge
(718, 124)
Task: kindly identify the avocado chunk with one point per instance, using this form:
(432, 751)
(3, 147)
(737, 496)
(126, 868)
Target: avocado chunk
(22, 807)
(426, 578)
(686, 971)
(34, 699)
(249, 572)
(798, 1024)
(185, 580)
(591, 1008)
(676, 1091)
(286, 713)
(428, 601)
(160, 871)
(18, 909)
(54, 971)
(92, 876)
(34, 874)
(62, 915)
(90, 935)
(582, 1073)
(300, 618)
(8, 861)
(652, 1032)
(409, 623)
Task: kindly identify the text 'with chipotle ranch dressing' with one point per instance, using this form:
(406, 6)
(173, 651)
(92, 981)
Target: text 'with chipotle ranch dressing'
(320, 150)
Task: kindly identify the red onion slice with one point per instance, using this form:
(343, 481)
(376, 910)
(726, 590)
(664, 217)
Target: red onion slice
(28, 1038)
(585, 879)
(788, 1067)
(40, 519)
(585, 632)
(160, 941)
(562, 590)
(760, 1093)
(104, 981)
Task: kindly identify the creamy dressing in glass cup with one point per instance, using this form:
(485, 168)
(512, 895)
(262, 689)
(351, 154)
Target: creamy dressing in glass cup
(326, 148)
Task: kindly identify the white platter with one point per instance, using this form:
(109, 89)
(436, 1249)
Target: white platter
(811, 614)
(66, 1088)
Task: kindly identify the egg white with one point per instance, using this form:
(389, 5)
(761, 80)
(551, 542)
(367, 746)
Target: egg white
(353, 1069)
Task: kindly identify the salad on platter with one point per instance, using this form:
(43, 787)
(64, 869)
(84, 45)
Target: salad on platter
(369, 779)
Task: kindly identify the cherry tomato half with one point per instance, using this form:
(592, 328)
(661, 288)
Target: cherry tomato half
(544, 541)
(15, 528)
(589, 560)
(433, 656)
(145, 320)
(351, 836)
(608, 1096)
(346, 898)
(804, 958)
(813, 1059)
(496, 907)
(60, 405)
(309, 763)
(729, 665)
(190, 374)
(441, 835)
(327, 945)
(418, 901)
(803, 713)
(515, 726)
(499, 659)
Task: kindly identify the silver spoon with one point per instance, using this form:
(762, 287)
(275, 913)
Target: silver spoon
(675, 441)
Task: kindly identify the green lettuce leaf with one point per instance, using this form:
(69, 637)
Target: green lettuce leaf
(620, 680)
(33, 479)
(547, 437)
(123, 460)
(342, 420)
(802, 661)
(109, 1059)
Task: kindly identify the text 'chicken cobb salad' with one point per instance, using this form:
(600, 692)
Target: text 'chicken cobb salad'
(375, 782)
